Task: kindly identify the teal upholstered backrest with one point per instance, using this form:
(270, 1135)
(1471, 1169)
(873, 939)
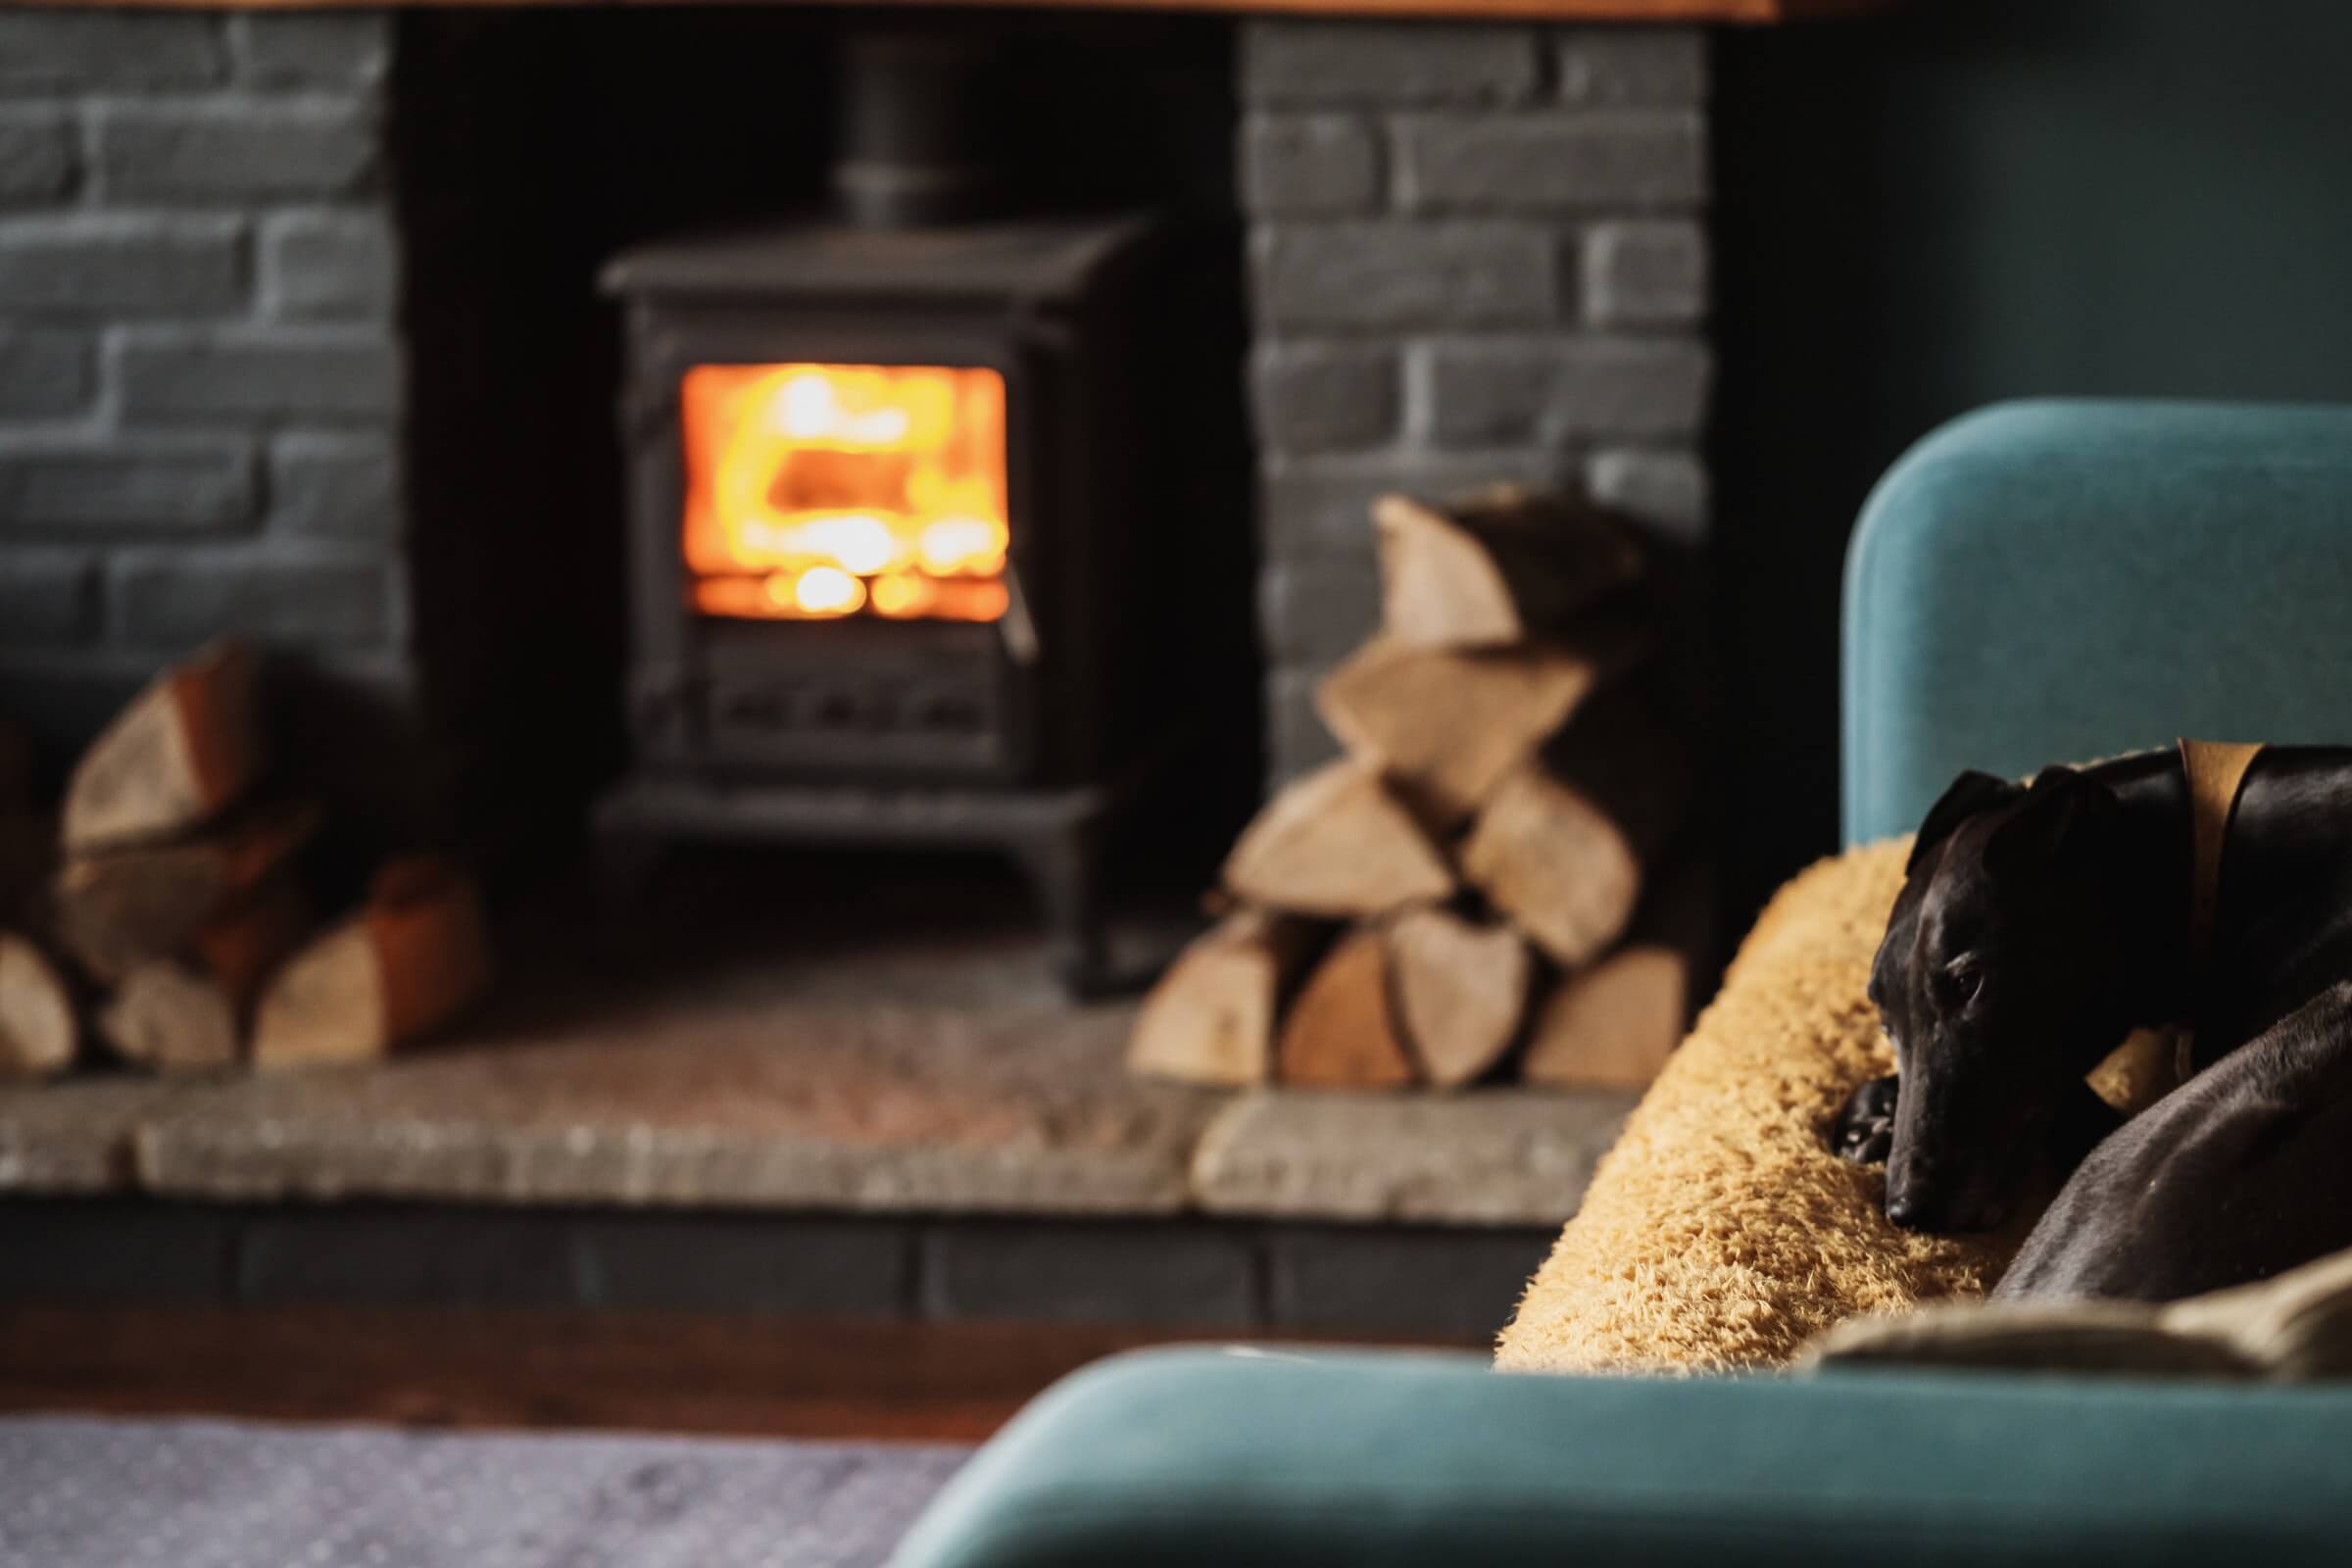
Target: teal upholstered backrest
(2044, 581)
(1199, 1458)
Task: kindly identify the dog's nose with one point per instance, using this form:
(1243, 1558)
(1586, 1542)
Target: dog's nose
(1912, 1209)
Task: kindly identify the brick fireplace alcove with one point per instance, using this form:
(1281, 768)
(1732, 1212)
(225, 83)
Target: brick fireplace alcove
(284, 299)
(1477, 252)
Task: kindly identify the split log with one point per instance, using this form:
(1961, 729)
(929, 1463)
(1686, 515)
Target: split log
(1337, 843)
(190, 1017)
(1562, 845)
(1340, 1034)
(1612, 1026)
(184, 750)
(1501, 567)
(406, 963)
(243, 945)
(38, 1031)
(1443, 725)
(169, 1017)
(119, 908)
(1211, 1018)
(1460, 992)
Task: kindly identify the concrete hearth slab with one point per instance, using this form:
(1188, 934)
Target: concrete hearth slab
(906, 1110)
(73, 1137)
(902, 1059)
(877, 1108)
(1488, 1157)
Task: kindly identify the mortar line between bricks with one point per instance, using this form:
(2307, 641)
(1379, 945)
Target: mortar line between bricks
(925, 1294)
(910, 1301)
(233, 1246)
(231, 94)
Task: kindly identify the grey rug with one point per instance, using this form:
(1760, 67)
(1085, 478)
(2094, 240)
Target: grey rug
(79, 1492)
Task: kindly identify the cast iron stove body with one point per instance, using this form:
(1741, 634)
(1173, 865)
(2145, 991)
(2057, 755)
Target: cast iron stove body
(885, 556)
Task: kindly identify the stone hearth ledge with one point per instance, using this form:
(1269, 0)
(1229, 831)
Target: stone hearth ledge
(74, 1139)
(860, 1110)
(1502, 1156)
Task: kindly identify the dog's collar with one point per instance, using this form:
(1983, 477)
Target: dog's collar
(2154, 1062)
(2216, 771)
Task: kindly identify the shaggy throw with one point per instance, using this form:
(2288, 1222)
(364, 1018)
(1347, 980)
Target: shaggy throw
(1721, 1232)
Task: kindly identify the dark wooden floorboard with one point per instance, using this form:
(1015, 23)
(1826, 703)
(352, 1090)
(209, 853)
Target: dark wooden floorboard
(517, 1368)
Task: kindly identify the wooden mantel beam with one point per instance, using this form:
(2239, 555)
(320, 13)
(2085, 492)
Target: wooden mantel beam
(1747, 13)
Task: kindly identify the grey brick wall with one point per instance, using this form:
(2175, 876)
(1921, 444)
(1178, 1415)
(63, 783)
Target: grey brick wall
(1478, 252)
(202, 384)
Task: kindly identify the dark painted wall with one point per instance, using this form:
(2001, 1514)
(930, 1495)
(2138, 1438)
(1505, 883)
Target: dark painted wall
(1976, 200)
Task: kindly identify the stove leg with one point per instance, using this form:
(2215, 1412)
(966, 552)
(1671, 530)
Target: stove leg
(625, 867)
(1065, 867)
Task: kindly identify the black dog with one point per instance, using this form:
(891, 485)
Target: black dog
(2036, 928)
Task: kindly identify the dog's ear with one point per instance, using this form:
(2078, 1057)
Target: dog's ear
(1971, 792)
(2061, 810)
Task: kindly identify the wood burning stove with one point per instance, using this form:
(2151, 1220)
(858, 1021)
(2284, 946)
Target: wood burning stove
(929, 534)
(882, 542)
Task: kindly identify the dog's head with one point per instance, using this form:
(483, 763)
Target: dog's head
(2001, 982)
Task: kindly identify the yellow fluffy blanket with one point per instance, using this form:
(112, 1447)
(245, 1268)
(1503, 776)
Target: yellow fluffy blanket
(1721, 1232)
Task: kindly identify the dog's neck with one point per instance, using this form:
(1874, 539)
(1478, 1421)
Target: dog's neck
(2281, 928)
(2153, 884)
(2284, 931)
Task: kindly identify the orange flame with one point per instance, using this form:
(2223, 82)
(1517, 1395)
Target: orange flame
(819, 491)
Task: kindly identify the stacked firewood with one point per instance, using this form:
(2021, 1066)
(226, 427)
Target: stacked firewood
(161, 910)
(1462, 881)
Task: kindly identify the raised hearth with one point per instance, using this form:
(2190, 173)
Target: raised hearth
(720, 1131)
(736, 1081)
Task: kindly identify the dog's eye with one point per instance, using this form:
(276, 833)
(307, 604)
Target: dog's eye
(1966, 980)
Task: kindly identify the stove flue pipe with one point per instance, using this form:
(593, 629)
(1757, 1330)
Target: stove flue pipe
(915, 128)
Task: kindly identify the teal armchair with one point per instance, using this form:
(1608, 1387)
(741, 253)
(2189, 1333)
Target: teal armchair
(2050, 581)
(1221, 1459)
(2034, 582)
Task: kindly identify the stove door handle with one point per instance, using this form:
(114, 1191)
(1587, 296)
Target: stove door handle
(1015, 626)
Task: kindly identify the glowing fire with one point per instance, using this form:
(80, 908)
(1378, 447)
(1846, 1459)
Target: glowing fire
(819, 491)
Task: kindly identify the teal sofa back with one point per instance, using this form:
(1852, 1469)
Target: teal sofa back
(1201, 1459)
(2055, 581)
